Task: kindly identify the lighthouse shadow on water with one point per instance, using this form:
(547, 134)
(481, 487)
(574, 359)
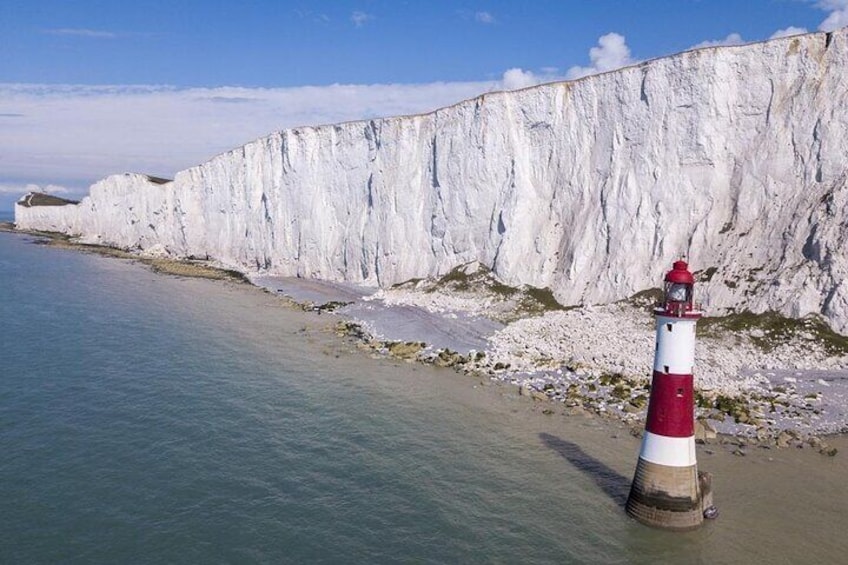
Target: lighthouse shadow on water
(614, 485)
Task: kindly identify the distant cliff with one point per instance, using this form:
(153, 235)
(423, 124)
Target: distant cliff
(733, 156)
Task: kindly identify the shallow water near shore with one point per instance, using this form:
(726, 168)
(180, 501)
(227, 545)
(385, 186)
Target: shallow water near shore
(148, 418)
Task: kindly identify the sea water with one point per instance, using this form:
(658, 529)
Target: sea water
(152, 419)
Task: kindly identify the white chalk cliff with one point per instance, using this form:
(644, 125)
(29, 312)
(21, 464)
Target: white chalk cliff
(736, 157)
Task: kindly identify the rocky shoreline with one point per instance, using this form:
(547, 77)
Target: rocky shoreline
(761, 416)
(770, 382)
(760, 380)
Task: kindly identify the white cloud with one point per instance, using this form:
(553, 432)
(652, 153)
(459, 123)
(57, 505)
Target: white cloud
(82, 33)
(791, 30)
(12, 188)
(837, 19)
(48, 189)
(731, 39)
(611, 53)
(18, 189)
(516, 78)
(838, 16)
(832, 5)
(310, 15)
(74, 135)
(359, 19)
(484, 17)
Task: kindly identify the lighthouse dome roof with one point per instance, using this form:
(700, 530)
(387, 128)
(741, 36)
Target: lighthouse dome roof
(680, 273)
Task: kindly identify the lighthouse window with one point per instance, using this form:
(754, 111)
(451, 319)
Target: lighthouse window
(670, 327)
(679, 393)
(677, 292)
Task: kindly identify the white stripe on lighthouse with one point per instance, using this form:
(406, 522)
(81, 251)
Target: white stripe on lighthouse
(670, 451)
(675, 346)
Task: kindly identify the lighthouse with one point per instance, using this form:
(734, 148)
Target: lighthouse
(667, 490)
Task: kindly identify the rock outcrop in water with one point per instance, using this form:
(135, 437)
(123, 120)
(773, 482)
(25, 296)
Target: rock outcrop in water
(733, 156)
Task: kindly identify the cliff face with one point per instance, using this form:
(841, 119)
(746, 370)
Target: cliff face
(731, 156)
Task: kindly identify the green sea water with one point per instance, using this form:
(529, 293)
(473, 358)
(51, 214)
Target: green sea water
(153, 419)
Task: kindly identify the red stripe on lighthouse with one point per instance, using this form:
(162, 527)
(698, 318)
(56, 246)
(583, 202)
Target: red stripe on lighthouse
(671, 410)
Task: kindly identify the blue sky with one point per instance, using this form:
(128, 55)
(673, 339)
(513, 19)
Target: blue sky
(90, 88)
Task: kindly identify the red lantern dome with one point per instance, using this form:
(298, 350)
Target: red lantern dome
(680, 274)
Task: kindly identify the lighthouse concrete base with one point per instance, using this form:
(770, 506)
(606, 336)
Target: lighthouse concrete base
(673, 498)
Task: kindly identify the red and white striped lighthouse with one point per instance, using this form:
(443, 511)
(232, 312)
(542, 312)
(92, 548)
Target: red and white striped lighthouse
(667, 490)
